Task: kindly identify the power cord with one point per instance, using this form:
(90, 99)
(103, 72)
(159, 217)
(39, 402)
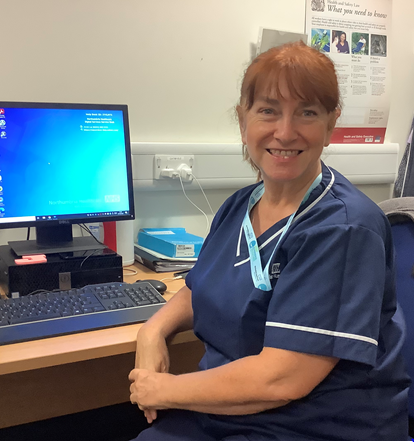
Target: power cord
(205, 196)
(86, 229)
(131, 272)
(172, 279)
(90, 254)
(195, 205)
(184, 172)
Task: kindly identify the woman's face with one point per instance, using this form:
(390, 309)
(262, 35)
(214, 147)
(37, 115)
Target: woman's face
(285, 136)
(343, 37)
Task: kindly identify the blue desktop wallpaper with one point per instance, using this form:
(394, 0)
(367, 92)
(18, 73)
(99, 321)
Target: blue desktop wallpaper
(62, 162)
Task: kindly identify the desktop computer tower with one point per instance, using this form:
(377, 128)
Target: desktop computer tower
(62, 271)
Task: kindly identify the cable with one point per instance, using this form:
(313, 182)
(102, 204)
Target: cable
(198, 208)
(92, 253)
(86, 228)
(133, 271)
(40, 291)
(28, 234)
(205, 196)
(171, 279)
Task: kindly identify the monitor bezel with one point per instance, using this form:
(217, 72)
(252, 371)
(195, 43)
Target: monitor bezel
(128, 156)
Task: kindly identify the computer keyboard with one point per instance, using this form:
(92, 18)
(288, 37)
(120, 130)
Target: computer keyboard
(47, 314)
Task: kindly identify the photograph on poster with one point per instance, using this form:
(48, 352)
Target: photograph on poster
(339, 42)
(379, 45)
(360, 43)
(320, 39)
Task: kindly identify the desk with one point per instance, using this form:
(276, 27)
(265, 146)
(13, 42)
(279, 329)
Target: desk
(68, 374)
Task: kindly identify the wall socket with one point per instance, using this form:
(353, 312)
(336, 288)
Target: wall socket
(173, 166)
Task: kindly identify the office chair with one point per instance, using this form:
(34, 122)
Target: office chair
(400, 213)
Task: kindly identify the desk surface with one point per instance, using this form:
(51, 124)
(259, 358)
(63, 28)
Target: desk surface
(83, 346)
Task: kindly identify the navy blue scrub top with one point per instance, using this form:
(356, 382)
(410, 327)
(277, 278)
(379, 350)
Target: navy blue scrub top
(333, 295)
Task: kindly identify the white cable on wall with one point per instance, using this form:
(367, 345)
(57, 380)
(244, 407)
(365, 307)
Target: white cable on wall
(195, 205)
(205, 196)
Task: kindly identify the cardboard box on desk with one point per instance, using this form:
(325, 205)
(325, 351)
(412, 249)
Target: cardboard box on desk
(176, 242)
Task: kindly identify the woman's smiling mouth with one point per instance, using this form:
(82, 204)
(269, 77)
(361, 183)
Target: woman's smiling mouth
(284, 153)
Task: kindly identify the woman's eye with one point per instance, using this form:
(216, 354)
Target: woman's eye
(309, 113)
(267, 111)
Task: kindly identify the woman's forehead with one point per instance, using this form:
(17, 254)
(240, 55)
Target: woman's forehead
(282, 89)
(280, 101)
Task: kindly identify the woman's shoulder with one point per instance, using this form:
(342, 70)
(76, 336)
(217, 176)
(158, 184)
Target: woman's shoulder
(347, 206)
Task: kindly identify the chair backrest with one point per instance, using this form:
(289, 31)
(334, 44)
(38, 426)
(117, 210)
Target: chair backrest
(403, 236)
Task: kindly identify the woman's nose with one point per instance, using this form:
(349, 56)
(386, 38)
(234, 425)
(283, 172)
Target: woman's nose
(285, 130)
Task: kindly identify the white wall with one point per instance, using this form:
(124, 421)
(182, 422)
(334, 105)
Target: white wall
(176, 63)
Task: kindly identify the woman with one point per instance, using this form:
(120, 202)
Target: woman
(343, 46)
(293, 292)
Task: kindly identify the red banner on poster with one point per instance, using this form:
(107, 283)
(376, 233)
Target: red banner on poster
(358, 135)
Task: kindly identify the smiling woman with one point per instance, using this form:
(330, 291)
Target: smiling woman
(293, 291)
(291, 72)
(288, 108)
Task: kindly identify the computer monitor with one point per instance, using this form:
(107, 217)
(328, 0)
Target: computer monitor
(63, 164)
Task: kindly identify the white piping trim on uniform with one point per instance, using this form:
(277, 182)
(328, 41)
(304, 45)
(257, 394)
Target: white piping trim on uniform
(260, 248)
(328, 187)
(322, 332)
(242, 262)
(238, 244)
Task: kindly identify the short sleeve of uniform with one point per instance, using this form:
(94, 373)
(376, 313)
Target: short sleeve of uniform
(328, 297)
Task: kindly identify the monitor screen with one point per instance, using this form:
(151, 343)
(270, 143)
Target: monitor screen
(62, 164)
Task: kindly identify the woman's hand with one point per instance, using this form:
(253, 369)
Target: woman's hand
(151, 356)
(152, 352)
(146, 391)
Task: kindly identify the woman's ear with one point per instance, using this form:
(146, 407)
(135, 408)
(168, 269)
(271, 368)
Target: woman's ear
(331, 125)
(242, 125)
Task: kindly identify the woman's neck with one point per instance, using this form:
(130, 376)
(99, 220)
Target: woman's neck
(279, 201)
(292, 192)
(265, 215)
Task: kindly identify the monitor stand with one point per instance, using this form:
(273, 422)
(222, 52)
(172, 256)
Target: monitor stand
(55, 239)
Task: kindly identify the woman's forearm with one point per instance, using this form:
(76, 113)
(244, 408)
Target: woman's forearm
(235, 388)
(175, 316)
(248, 385)
(232, 389)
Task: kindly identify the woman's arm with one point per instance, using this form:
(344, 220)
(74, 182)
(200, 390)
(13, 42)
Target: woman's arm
(248, 385)
(175, 316)
(152, 352)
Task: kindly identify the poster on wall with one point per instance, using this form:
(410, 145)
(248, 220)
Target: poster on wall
(355, 35)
